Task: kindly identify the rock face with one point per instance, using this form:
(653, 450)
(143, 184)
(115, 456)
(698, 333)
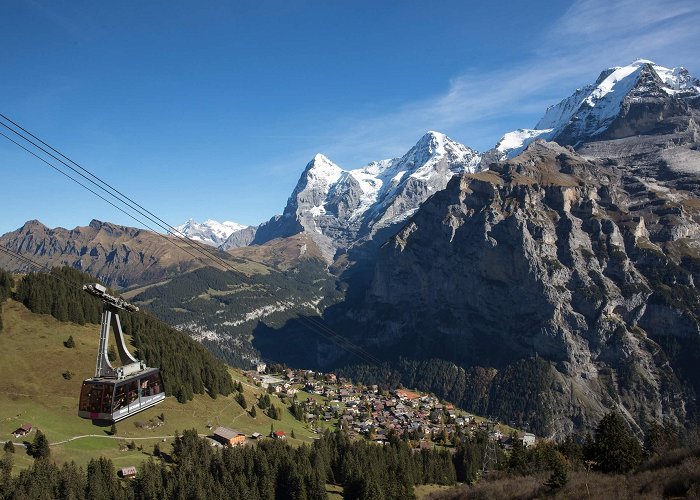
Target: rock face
(120, 256)
(240, 238)
(559, 258)
(341, 208)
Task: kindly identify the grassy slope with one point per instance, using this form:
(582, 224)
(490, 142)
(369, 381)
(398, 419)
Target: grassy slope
(33, 390)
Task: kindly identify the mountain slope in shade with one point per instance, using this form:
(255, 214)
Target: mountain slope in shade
(596, 111)
(210, 232)
(340, 208)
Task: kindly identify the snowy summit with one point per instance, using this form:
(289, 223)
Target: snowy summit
(210, 232)
(591, 109)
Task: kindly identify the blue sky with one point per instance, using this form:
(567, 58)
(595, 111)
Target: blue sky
(213, 111)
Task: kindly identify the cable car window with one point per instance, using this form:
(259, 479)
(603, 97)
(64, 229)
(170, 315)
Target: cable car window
(151, 385)
(106, 406)
(91, 397)
(120, 397)
(133, 391)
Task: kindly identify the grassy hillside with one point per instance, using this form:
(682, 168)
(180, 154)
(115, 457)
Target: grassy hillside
(34, 390)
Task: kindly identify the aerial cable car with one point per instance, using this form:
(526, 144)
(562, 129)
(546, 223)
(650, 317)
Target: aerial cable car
(116, 393)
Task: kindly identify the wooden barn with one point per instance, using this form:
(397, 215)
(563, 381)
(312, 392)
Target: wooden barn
(229, 437)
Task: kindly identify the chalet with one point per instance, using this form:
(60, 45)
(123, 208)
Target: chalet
(261, 367)
(127, 472)
(330, 377)
(229, 437)
(528, 439)
(279, 435)
(23, 430)
(256, 435)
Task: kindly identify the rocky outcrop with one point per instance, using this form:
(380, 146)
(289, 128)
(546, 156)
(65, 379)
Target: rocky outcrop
(556, 257)
(241, 238)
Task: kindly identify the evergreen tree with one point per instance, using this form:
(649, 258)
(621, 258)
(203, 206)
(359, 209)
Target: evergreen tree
(659, 439)
(253, 411)
(40, 446)
(240, 399)
(102, 483)
(69, 342)
(559, 475)
(9, 447)
(571, 450)
(6, 464)
(71, 481)
(518, 456)
(616, 450)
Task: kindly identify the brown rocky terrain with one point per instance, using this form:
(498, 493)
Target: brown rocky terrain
(120, 256)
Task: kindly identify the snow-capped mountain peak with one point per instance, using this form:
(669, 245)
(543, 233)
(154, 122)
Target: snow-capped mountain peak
(322, 169)
(590, 111)
(211, 232)
(339, 206)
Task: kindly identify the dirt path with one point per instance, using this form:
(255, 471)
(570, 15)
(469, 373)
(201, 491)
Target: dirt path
(74, 438)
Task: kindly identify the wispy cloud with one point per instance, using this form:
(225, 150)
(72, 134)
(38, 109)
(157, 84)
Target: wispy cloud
(477, 106)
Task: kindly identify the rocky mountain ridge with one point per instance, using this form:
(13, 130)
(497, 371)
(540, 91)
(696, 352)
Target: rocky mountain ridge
(341, 208)
(121, 256)
(621, 102)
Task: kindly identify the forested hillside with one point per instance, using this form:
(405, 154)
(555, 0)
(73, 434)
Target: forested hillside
(224, 310)
(6, 283)
(611, 463)
(188, 368)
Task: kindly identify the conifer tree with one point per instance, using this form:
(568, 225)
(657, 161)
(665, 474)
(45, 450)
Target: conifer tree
(615, 449)
(40, 446)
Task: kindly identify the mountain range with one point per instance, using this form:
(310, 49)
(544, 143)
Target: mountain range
(562, 263)
(210, 232)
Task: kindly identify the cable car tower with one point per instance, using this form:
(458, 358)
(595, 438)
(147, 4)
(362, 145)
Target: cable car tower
(115, 393)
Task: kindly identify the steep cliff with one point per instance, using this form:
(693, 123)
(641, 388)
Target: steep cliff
(575, 268)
